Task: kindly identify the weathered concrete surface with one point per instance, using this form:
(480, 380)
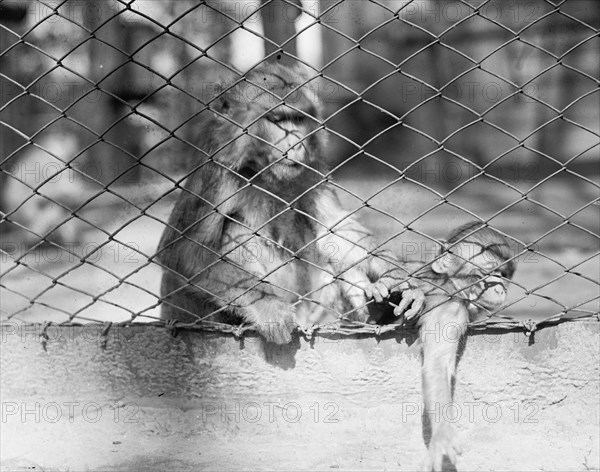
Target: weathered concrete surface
(199, 401)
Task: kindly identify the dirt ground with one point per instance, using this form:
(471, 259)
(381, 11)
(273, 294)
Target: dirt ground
(159, 438)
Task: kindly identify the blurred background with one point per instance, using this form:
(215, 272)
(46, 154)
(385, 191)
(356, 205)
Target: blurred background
(438, 113)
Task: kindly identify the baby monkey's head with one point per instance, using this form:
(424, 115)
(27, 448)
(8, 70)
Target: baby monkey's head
(478, 261)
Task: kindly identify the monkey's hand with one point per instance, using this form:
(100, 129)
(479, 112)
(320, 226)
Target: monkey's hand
(275, 320)
(412, 297)
(444, 443)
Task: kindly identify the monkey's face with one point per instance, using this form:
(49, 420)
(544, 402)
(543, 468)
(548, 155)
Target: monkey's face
(276, 117)
(483, 274)
(479, 274)
(288, 149)
(282, 140)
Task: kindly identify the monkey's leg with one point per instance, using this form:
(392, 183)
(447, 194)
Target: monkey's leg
(224, 285)
(441, 332)
(180, 302)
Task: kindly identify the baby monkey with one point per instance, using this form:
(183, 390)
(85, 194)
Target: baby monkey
(468, 278)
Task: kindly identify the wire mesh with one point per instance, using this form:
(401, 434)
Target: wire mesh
(436, 112)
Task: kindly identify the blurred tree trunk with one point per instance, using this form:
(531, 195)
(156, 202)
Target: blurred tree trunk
(440, 159)
(12, 16)
(110, 156)
(279, 17)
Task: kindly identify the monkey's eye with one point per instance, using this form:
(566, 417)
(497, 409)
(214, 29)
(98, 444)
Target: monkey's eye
(472, 278)
(503, 272)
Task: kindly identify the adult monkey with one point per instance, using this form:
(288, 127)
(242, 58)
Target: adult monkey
(258, 233)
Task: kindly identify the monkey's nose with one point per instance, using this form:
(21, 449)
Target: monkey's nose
(499, 290)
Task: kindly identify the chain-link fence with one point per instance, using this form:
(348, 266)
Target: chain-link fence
(437, 113)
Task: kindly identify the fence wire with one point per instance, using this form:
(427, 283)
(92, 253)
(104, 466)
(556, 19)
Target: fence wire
(437, 113)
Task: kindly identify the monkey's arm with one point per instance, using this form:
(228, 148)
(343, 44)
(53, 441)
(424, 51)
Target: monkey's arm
(441, 331)
(356, 251)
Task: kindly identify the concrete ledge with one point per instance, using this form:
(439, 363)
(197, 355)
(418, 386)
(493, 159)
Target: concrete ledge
(148, 401)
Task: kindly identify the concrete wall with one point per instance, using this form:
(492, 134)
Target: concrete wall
(149, 401)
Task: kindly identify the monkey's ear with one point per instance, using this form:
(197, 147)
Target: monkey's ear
(445, 264)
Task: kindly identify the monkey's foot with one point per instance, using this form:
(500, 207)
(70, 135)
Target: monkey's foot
(277, 324)
(307, 329)
(444, 443)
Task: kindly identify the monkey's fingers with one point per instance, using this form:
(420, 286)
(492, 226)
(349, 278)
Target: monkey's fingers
(413, 298)
(443, 444)
(435, 460)
(418, 303)
(406, 300)
(369, 291)
(378, 291)
(398, 287)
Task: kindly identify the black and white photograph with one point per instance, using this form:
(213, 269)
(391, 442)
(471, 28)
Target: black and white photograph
(299, 235)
